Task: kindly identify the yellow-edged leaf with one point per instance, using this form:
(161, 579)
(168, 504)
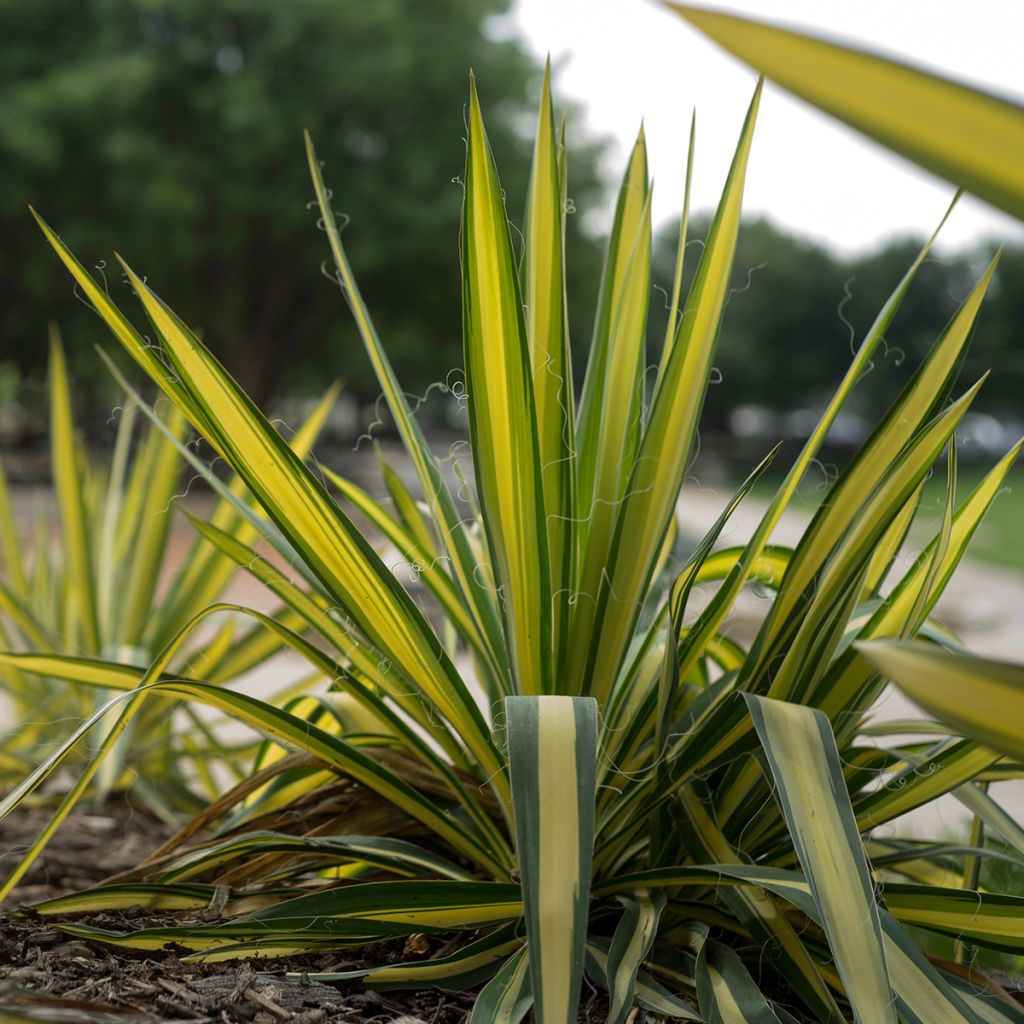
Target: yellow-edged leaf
(503, 417)
(980, 698)
(543, 276)
(653, 488)
(70, 487)
(972, 138)
(808, 777)
(553, 758)
(331, 545)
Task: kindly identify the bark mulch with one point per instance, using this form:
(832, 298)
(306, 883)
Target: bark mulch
(45, 975)
(48, 976)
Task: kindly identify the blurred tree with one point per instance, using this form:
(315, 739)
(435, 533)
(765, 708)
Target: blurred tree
(171, 130)
(797, 310)
(1000, 341)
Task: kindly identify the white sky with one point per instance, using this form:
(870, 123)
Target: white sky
(631, 59)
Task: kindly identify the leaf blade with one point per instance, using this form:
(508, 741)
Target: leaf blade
(972, 138)
(805, 765)
(553, 759)
(503, 417)
(938, 681)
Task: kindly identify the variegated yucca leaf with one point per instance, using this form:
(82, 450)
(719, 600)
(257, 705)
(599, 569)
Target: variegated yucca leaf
(337, 553)
(805, 766)
(547, 334)
(417, 904)
(629, 208)
(757, 910)
(977, 697)
(654, 479)
(70, 492)
(634, 936)
(650, 994)
(885, 442)
(919, 402)
(448, 520)
(972, 138)
(469, 965)
(395, 856)
(503, 419)
(552, 745)
(726, 991)
(506, 998)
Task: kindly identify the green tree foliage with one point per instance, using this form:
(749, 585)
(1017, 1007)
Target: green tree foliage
(175, 127)
(795, 306)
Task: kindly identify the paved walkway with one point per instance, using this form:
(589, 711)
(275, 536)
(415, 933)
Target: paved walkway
(982, 603)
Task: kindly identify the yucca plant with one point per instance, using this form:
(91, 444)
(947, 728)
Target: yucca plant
(573, 776)
(108, 587)
(972, 138)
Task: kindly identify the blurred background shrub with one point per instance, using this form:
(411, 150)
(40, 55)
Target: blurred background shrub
(174, 127)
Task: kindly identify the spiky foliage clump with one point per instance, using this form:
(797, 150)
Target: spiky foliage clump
(100, 579)
(573, 775)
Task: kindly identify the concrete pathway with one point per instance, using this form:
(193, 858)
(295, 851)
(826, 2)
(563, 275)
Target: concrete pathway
(983, 604)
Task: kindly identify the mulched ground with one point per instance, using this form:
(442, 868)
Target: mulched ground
(47, 976)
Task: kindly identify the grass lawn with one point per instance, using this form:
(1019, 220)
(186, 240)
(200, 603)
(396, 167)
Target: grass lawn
(999, 539)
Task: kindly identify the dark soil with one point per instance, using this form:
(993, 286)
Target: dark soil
(45, 975)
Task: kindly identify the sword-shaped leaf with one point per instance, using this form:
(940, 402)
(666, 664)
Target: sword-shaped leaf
(710, 620)
(331, 546)
(649, 993)
(652, 490)
(543, 276)
(427, 567)
(979, 697)
(850, 557)
(467, 966)
(725, 990)
(143, 536)
(759, 912)
(552, 745)
(844, 683)
(809, 786)
(503, 417)
(925, 779)
(449, 520)
(634, 935)
(923, 994)
(972, 138)
(429, 904)
(994, 1006)
(236, 938)
(280, 725)
(69, 485)
(393, 855)
(919, 403)
(204, 573)
(506, 998)
(629, 207)
(991, 919)
(157, 896)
